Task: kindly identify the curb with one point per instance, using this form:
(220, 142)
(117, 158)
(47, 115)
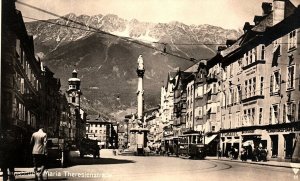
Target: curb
(254, 163)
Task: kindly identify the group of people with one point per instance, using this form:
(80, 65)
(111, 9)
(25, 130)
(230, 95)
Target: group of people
(257, 154)
(9, 151)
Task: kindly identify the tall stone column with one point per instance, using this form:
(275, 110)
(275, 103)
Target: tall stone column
(140, 91)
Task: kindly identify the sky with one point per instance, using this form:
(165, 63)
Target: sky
(231, 14)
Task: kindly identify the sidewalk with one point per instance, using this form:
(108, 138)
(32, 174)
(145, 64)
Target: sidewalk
(267, 163)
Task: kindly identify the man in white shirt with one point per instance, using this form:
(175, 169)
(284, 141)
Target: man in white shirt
(39, 151)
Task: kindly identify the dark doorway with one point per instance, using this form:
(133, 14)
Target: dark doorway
(274, 144)
(288, 145)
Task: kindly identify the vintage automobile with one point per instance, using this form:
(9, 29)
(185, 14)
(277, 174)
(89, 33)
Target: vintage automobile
(58, 151)
(169, 146)
(89, 147)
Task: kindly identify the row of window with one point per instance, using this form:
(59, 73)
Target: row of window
(275, 80)
(98, 125)
(289, 113)
(204, 89)
(206, 110)
(23, 114)
(258, 54)
(255, 86)
(26, 66)
(100, 131)
(72, 86)
(100, 137)
(254, 116)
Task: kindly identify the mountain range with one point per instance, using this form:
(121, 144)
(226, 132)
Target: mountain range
(104, 50)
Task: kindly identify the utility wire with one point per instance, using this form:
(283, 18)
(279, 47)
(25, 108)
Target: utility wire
(98, 31)
(128, 39)
(118, 37)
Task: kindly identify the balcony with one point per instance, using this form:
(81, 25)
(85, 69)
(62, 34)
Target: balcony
(212, 78)
(253, 64)
(199, 97)
(252, 98)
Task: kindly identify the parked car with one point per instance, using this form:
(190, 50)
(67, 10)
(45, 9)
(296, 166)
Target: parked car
(58, 151)
(88, 146)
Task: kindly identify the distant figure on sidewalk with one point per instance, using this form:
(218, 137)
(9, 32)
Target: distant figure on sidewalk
(255, 154)
(8, 154)
(219, 153)
(243, 154)
(39, 152)
(263, 154)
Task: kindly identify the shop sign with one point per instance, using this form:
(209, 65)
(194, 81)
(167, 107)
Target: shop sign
(168, 133)
(281, 130)
(230, 134)
(248, 131)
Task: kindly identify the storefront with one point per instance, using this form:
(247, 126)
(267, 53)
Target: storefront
(229, 141)
(282, 143)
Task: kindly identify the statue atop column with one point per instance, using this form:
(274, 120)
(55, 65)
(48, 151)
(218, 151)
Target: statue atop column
(140, 62)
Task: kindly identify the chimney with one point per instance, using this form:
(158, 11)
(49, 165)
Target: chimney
(247, 27)
(230, 42)
(278, 11)
(257, 19)
(221, 48)
(203, 62)
(267, 8)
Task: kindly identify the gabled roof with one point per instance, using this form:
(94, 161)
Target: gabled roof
(170, 78)
(95, 118)
(182, 76)
(152, 110)
(193, 68)
(266, 21)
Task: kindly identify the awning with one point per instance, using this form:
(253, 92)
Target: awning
(208, 139)
(208, 90)
(208, 110)
(247, 143)
(233, 141)
(101, 143)
(275, 48)
(251, 134)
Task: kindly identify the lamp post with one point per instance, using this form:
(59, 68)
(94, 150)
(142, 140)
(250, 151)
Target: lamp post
(127, 134)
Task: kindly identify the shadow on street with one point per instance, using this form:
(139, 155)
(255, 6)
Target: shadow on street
(101, 161)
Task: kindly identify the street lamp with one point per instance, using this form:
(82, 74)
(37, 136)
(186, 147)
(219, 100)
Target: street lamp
(127, 123)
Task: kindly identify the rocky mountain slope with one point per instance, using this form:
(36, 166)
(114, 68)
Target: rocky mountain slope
(106, 64)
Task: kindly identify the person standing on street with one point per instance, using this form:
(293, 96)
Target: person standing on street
(219, 153)
(8, 152)
(39, 152)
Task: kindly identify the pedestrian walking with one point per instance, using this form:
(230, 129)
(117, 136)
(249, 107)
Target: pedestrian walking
(232, 153)
(39, 152)
(219, 153)
(8, 154)
(243, 154)
(255, 154)
(263, 154)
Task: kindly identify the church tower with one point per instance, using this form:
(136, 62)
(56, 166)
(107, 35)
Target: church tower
(74, 91)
